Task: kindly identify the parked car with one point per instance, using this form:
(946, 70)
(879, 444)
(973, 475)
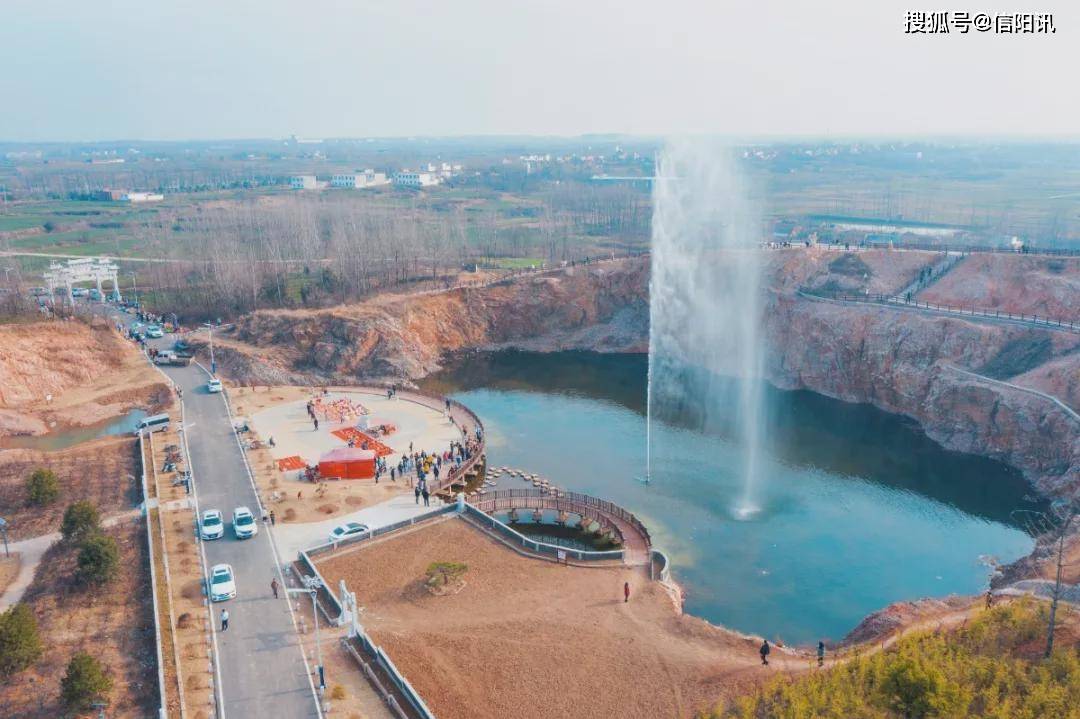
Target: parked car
(79, 292)
(154, 331)
(344, 531)
(212, 526)
(94, 294)
(222, 583)
(213, 386)
(244, 524)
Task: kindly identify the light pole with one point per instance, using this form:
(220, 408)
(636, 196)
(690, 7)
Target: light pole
(134, 290)
(311, 586)
(213, 365)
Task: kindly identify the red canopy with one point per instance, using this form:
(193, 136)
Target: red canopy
(348, 463)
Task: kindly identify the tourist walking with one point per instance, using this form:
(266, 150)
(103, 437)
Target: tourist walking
(821, 654)
(273, 518)
(989, 598)
(764, 652)
(427, 496)
(416, 493)
(274, 586)
(626, 592)
(316, 421)
(224, 620)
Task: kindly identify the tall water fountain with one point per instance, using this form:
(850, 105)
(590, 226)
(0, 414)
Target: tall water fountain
(705, 345)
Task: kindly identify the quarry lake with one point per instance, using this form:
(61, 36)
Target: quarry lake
(859, 509)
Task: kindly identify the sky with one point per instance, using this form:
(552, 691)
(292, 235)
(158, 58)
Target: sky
(206, 69)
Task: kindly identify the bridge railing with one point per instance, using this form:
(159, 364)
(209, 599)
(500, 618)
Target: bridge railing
(573, 498)
(536, 547)
(1072, 325)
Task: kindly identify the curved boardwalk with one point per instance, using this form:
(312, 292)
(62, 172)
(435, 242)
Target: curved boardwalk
(635, 537)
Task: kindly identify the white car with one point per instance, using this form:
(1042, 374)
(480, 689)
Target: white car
(211, 526)
(154, 331)
(213, 386)
(222, 583)
(244, 524)
(344, 531)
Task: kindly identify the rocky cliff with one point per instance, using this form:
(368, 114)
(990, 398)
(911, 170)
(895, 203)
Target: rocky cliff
(600, 307)
(973, 386)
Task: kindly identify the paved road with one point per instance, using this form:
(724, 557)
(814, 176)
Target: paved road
(263, 673)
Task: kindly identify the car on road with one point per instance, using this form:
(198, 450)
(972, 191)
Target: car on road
(344, 531)
(79, 292)
(244, 524)
(211, 526)
(213, 386)
(222, 583)
(154, 331)
(95, 295)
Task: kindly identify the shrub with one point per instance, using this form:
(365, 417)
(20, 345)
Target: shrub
(85, 683)
(440, 574)
(99, 559)
(42, 487)
(20, 645)
(81, 520)
(337, 693)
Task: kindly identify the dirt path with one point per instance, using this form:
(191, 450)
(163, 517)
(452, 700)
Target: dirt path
(32, 550)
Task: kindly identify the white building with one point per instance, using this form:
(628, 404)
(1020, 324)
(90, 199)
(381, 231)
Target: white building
(143, 197)
(407, 178)
(367, 178)
(303, 182)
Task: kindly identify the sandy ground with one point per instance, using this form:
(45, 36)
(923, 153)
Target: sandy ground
(528, 638)
(279, 412)
(61, 374)
(113, 623)
(103, 471)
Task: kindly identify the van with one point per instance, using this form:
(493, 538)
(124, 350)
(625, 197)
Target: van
(157, 423)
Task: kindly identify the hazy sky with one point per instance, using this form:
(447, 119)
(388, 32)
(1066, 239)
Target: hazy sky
(160, 69)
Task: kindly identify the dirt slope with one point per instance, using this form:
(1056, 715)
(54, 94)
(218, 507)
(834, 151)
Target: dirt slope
(1046, 286)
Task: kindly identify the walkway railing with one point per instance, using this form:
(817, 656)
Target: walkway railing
(572, 499)
(536, 547)
(1072, 325)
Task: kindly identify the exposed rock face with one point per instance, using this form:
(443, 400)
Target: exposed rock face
(899, 360)
(908, 363)
(602, 307)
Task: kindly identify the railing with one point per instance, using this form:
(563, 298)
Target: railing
(1032, 319)
(388, 669)
(572, 498)
(153, 581)
(956, 247)
(325, 592)
(532, 545)
(659, 566)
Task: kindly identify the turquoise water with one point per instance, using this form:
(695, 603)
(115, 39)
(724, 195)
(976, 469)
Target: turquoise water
(53, 441)
(859, 508)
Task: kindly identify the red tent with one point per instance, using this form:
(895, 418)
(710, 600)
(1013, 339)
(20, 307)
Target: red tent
(347, 463)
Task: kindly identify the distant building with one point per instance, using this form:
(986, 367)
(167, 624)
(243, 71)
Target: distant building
(357, 180)
(406, 178)
(143, 197)
(303, 182)
(108, 195)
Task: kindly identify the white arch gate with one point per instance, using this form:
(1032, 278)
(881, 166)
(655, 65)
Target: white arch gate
(96, 269)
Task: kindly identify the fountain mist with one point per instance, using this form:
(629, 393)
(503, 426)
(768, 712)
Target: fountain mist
(705, 349)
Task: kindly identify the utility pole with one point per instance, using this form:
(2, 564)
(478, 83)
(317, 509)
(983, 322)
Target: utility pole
(213, 365)
(1066, 519)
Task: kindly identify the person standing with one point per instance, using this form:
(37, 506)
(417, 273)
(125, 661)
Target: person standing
(821, 654)
(626, 592)
(274, 587)
(764, 652)
(316, 421)
(224, 620)
(273, 518)
(416, 493)
(427, 496)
